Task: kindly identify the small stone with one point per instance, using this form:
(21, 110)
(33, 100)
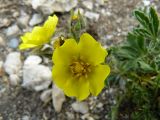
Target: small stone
(14, 79)
(80, 107)
(92, 15)
(32, 60)
(99, 105)
(87, 117)
(13, 43)
(36, 77)
(25, 117)
(12, 31)
(36, 19)
(46, 95)
(88, 4)
(100, 2)
(23, 19)
(16, 14)
(108, 37)
(2, 41)
(108, 13)
(146, 2)
(4, 22)
(13, 63)
(70, 116)
(64, 5)
(58, 98)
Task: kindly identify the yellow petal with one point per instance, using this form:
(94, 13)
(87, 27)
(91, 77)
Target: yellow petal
(50, 25)
(25, 46)
(91, 50)
(41, 34)
(78, 88)
(97, 78)
(65, 53)
(60, 74)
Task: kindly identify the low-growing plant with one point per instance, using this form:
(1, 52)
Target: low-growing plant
(135, 69)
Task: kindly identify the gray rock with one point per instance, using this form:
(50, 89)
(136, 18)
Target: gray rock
(81, 107)
(36, 19)
(13, 63)
(92, 15)
(26, 117)
(12, 31)
(23, 19)
(32, 60)
(100, 2)
(58, 98)
(13, 43)
(35, 76)
(49, 6)
(88, 4)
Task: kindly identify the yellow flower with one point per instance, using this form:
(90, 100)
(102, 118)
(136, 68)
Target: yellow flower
(78, 68)
(40, 34)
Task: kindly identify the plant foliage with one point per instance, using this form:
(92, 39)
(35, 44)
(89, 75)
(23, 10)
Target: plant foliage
(137, 63)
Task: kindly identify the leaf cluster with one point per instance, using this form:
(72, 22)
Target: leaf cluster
(136, 61)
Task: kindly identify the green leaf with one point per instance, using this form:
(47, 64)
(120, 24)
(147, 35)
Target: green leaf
(142, 32)
(142, 18)
(146, 67)
(125, 54)
(141, 42)
(131, 39)
(154, 21)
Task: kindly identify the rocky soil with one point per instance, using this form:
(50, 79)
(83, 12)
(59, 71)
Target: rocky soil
(26, 91)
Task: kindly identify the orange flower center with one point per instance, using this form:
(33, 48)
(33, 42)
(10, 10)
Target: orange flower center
(80, 68)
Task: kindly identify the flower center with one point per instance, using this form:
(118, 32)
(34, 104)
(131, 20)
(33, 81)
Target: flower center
(80, 68)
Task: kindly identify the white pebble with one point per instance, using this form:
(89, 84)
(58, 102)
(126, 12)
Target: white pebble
(36, 77)
(13, 63)
(92, 15)
(14, 79)
(46, 95)
(80, 107)
(58, 98)
(33, 60)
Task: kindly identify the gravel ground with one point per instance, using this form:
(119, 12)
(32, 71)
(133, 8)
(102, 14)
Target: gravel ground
(111, 22)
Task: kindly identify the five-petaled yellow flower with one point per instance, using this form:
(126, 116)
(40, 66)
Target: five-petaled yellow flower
(40, 34)
(79, 68)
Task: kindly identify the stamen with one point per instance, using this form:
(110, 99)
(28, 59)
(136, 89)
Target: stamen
(79, 68)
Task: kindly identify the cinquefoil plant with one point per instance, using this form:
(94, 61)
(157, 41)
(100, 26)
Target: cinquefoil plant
(137, 63)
